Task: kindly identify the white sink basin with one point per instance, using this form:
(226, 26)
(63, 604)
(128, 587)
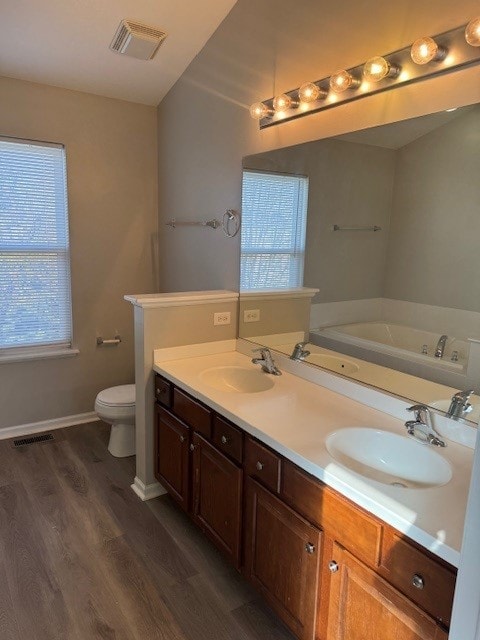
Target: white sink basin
(234, 379)
(338, 365)
(389, 458)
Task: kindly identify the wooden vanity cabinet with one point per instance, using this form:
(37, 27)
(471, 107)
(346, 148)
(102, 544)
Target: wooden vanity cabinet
(217, 497)
(363, 606)
(205, 480)
(327, 567)
(172, 459)
(282, 557)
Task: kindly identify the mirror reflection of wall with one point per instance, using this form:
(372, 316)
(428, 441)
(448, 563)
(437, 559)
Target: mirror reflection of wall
(398, 289)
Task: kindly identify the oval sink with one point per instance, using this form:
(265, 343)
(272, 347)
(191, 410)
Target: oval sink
(338, 365)
(237, 379)
(388, 458)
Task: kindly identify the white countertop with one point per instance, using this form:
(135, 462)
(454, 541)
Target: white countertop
(294, 418)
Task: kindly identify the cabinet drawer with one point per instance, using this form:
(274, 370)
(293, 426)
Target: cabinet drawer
(163, 391)
(228, 438)
(357, 531)
(424, 580)
(195, 414)
(262, 464)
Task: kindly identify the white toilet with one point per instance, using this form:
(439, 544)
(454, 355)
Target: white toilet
(116, 406)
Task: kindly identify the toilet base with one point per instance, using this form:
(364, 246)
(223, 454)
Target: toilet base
(122, 440)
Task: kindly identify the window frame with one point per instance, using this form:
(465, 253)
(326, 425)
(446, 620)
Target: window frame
(57, 348)
(298, 238)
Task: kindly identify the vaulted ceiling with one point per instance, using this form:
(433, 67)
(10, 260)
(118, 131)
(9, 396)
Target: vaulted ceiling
(65, 43)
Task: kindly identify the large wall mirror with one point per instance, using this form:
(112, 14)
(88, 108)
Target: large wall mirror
(366, 247)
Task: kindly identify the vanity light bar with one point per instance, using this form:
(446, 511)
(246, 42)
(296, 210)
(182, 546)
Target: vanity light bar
(425, 58)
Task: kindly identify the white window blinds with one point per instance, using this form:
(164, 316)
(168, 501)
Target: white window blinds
(274, 213)
(35, 299)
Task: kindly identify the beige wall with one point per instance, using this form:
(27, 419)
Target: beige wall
(111, 149)
(265, 47)
(281, 315)
(176, 326)
(435, 224)
(349, 184)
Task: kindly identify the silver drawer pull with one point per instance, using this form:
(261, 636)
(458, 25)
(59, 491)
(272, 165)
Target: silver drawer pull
(309, 547)
(193, 447)
(182, 438)
(259, 465)
(333, 566)
(224, 440)
(418, 582)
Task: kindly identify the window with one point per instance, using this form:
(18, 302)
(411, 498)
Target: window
(274, 213)
(35, 298)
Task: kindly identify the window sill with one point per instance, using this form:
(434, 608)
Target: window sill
(34, 354)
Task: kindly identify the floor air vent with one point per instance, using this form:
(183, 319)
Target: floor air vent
(33, 439)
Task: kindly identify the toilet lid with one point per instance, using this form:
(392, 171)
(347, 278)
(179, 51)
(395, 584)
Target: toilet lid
(118, 396)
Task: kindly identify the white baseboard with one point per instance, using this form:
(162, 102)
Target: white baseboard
(47, 425)
(147, 491)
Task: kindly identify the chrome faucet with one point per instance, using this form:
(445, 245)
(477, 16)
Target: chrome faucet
(267, 362)
(460, 405)
(421, 428)
(440, 348)
(299, 352)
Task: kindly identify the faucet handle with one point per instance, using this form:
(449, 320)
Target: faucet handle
(420, 411)
(463, 395)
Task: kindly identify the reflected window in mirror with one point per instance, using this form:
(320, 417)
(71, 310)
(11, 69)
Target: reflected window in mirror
(274, 214)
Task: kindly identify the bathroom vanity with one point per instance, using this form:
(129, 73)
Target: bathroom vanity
(329, 550)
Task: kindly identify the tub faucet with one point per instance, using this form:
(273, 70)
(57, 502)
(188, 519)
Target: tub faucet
(460, 405)
(299, 352)
(420, 429)
(267, 362)
(440, 348)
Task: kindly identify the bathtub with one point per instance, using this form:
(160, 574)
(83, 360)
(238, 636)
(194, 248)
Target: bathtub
(399, 341)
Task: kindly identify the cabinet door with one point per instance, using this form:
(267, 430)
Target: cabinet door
(172, 457)
(365, 607)
(217, 497)
(282, 553)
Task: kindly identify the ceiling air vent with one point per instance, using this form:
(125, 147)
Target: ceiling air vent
(137, 40)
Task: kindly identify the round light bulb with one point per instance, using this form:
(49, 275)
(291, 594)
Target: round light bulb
(425, 50)
(378, 68)
(343, 80)
(472, 32)
(282, 102)
(259, 110)
(309, 92)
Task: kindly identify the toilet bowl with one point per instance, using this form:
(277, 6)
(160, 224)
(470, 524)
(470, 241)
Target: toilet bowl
(116, 406)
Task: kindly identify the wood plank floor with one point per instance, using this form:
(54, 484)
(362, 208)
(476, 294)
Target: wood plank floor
(81, 557)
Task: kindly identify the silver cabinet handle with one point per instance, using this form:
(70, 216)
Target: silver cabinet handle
(224, 440)
(182, 438)
(309, 547)
(193, 447)
(333, 566)
(259, 465)
(418, 582)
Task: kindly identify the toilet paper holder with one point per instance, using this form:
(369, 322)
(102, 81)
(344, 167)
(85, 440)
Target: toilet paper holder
(116, 340)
